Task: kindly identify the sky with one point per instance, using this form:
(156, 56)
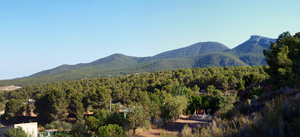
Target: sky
(36, 35)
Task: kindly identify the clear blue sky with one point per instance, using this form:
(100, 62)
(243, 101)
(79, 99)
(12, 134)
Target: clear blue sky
(41, 34)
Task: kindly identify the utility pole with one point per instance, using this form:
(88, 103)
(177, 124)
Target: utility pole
(109, 104)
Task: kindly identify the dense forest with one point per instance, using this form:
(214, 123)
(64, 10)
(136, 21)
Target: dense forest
(246, 101)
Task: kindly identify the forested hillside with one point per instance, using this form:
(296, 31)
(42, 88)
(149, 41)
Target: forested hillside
(245, 101)
(206, 60)
(202, 54)
(146, 91)
(195, 49)
(111, 62)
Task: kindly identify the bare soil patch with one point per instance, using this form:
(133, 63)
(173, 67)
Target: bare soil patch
(173, 128)
(9, 88)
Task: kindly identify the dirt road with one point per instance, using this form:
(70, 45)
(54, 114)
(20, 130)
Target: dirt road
(174, 127)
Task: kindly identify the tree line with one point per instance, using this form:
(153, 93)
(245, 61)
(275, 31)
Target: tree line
(160, 95)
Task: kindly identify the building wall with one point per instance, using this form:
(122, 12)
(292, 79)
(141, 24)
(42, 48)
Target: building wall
(29, 128)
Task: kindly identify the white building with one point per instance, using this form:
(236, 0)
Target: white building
(29, 128)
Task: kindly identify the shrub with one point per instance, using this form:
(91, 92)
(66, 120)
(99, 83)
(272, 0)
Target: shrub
(59, 125)
(16, 132)
(80, 130)
(257, 91)
(110, 130)
(62, 134)
(211, 90)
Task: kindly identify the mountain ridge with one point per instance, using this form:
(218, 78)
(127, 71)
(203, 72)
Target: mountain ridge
(128, 59)
(201, 54)
(194, 49)
(251, 50)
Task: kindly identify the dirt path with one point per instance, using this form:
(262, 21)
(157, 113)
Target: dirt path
(174, 127)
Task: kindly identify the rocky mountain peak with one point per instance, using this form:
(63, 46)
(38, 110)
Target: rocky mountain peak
(261, 39)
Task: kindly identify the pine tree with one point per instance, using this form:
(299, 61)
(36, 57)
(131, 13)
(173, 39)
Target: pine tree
(283, 58)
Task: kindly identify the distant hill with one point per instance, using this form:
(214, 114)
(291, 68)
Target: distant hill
(202, 54)
(203, 60)
(251, 51)
(117, 61)
(195, 49)
(111, 62)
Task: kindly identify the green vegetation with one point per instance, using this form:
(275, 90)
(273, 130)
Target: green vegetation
(110, 130)
(159, 96)
(205, 60)
(80, 130)
(51, 106)
(272, 110)
(283, 59)
(195, 49)
(59, 125)
(246, 101)
(16, 132)
(13, 108)
(138, 118)
(203, 54)
(248, 51)
(211, 104)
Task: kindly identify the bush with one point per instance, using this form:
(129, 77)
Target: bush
(62, 134)
(257, 91)
(110, 130)
(211, 90)
(80, 130)
(281, 117)
(59, 125)
(198, 101)
(222, 102)
(16, 132)
(186, 131)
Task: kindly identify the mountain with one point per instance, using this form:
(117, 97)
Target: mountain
(202, 60)
(112, 61)
(195, 49)
(117, 61)
(251, 51)
(202, 54)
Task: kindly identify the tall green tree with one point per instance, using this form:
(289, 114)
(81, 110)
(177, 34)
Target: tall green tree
(76, 106)
(173, 107)
(52, 106)
(14, 107)
(138, 118)
(155, 105)
(176, 105)
(101, 98)
(92, 123)
(57, 104)
(80, 130)
(283, 58)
